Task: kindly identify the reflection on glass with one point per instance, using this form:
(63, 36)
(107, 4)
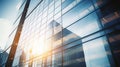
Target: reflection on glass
(69, 36)
(66, 3)
(95, 53)
(85, 26)
(77, 12)
(57, 60)
(74, 57)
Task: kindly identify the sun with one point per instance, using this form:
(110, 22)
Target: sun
(37, 48)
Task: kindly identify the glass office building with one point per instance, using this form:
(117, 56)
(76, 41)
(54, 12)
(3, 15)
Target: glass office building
(70, 33)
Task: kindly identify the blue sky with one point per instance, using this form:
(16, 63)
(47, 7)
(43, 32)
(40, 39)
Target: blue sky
(8, 8)
(8, 11)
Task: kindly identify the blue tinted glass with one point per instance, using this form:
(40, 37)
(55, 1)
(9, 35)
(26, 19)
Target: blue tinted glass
(95, 53)
(69, 36)
(99, 3)
(46, 3)
(74, 57)
(58, 36)
(33, 3)
(66, 3)
(57, 60)
(50, 1)
(77, 12)
(86, 26)
(51, 8)
(57, 3)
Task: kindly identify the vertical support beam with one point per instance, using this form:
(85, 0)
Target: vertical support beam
(17, 36)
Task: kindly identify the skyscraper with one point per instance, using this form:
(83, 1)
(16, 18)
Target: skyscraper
(70, 33)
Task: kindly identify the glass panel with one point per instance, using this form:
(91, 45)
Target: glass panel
(66, 3)
(49, 33)
(57, 60)
(50, 1)
(57, 27)
(88, 25)
(51, 8)
(99, 3)
(74, 57)
(39, 63)
(57, 39)
(79, 11)
(46, 2)
(49, 30)
(114, 39)
(48, 45)
(95, 53)
(69, 36)
(49, 61)
(57, 3)
(58, 9)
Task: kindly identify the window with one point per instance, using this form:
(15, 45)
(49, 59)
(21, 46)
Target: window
(79, 11)
(96, 54)
(86, 26)
(66, 3)
(57, 60)
(69, 36)
(74, 57)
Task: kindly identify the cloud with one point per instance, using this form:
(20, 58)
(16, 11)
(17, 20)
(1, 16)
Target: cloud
(4, 31)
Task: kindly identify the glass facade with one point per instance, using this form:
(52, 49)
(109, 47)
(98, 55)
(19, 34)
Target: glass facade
(70, 33)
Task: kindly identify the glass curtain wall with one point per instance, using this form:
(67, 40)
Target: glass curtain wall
(70, 33)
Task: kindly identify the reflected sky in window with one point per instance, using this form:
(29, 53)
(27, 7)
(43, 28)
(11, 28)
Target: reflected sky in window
(95, 53)
(85, 26)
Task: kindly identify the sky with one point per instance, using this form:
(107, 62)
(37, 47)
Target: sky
(8, 12)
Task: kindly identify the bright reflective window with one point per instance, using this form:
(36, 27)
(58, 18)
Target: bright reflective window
(88, 25)
(77, 12)
(95, 53)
